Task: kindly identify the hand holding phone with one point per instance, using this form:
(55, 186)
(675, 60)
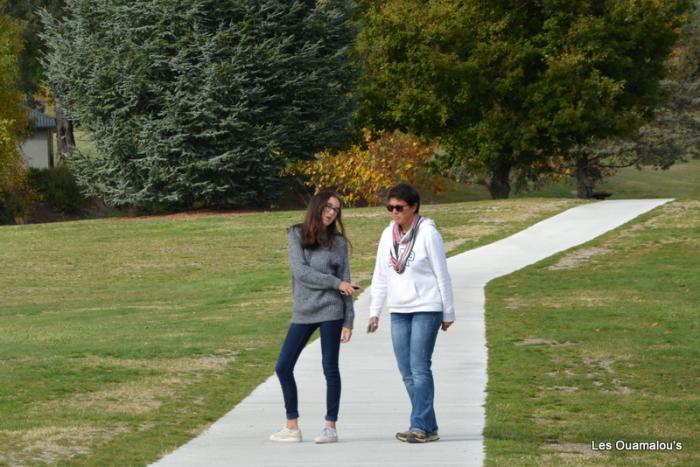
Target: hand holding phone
(372, 325)
(347, 288)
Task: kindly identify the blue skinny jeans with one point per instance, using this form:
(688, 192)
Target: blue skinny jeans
(297, 337)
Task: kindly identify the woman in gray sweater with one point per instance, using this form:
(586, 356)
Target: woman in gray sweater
(318, 260)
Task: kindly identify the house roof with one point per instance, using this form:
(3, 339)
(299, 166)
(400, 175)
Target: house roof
(40, 120)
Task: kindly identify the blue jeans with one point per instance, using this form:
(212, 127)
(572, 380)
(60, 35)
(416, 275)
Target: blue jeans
(413, 336)
(297, 337)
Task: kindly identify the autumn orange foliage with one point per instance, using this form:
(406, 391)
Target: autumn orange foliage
(364, 173)
(14, 188)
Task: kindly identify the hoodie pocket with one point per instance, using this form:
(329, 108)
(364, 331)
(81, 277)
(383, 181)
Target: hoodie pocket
(402, 293)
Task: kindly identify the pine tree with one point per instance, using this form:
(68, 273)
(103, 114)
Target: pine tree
(200, 101)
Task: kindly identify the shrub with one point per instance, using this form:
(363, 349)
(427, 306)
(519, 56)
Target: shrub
(16, 204)
(58, 187)
(364, 173)
(16, 196)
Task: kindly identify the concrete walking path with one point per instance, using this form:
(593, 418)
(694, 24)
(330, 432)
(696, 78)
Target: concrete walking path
(374, 404)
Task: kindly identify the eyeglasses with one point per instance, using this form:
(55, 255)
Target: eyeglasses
(398, 207)
(330, 207)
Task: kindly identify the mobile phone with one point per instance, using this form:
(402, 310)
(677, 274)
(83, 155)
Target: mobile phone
(371, 327)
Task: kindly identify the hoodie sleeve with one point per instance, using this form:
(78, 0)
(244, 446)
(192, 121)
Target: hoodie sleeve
(438, 260)
(301, 271)
(379, 279)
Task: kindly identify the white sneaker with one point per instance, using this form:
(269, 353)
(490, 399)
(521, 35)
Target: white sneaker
(327, 435)
(286, 435)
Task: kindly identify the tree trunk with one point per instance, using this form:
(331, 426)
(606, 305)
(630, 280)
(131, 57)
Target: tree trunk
(64, 134)
(499, 185)
(585, 177)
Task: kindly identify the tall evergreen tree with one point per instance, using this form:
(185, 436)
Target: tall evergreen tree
(511, 83)
(201, 100)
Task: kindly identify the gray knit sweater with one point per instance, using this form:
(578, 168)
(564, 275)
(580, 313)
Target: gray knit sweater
(316, 275)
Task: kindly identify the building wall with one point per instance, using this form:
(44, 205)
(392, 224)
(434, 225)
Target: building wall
(35, 150)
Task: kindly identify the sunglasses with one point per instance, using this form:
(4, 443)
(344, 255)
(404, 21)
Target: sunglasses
(397, 207)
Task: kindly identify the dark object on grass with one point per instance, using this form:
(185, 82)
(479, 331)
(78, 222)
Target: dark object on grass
(601, 194)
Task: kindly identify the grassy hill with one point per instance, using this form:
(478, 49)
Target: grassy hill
(681, 181)
(599, 344)
(123, 338)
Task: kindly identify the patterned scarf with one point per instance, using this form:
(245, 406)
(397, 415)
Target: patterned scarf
(399, 262)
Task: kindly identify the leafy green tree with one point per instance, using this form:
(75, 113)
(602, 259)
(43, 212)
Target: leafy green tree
(508, 83)
(673, 135)
(27, 11)
(13, 123)
(201, 101)
(31, 70)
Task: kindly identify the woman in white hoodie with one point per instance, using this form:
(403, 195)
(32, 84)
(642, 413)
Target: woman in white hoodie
(411, 274)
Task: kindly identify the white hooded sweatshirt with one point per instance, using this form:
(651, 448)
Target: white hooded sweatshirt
(425, 284)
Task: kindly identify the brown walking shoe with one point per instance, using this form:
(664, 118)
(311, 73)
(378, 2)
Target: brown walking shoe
(420, 436)
(403, 435)
(414, 435)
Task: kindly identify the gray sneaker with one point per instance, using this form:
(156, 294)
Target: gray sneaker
(327, 435)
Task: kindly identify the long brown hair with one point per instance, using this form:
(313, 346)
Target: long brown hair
(313, 232)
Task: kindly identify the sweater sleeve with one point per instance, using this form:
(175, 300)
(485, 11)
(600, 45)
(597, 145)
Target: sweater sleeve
(347, 299)
(379, 280)
(438, 260)
(301, 271)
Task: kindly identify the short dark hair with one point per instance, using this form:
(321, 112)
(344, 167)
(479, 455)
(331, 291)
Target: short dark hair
(405, 192)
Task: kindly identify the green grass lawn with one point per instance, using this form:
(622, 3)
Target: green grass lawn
(123, 338)
(599, 344)
(681, 181)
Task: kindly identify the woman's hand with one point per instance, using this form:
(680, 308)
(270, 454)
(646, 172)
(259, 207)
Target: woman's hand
(446, 324)
(345, 335)
(373, 324)
(346, 288)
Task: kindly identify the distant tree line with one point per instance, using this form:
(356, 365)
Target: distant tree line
(204, 102)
